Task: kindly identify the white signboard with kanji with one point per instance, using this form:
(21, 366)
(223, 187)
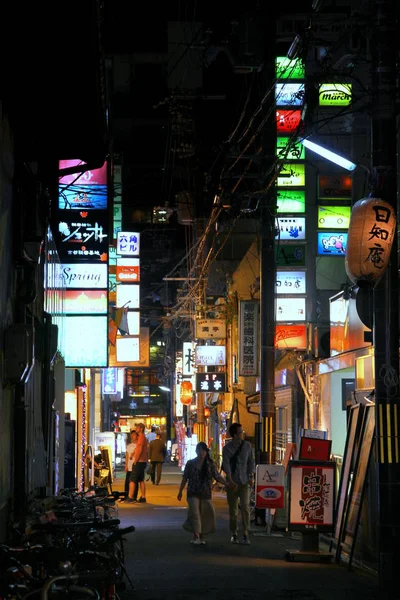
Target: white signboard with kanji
(210, 329)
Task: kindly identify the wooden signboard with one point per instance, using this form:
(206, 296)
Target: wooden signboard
(353, 512)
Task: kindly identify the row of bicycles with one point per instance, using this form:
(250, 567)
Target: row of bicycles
(71, 546)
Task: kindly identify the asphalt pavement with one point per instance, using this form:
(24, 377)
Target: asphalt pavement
(163, 565)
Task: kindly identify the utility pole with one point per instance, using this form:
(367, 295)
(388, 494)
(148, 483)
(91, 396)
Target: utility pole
(268, 265)
(385, 298)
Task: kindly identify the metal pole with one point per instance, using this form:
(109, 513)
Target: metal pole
(386, 305)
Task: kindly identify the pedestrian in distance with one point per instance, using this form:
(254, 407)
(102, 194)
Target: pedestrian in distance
(157, 453)
(200, 473)
(129, 454)
(238, 466)
(138, 467)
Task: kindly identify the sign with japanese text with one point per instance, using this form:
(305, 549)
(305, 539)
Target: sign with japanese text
(291, 337)
(290, 282)
(289, 94)
(291, 228)
(331, 243)
(82, 237)
(188, 359)
(287, 121)
(290, 309)
(311, 495)
(211, 382)
(210, 329)
(248, 337)
(128, 243)
(128, 270)
(289, 149)
(270, 486)
(292, 175)
(110, 377)
(209, 356)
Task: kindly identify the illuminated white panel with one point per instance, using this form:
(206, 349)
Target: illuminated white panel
(290, 282)
(290, 309)
(134, 322)
(291, 228)
(128, 349)
(128, 243)
(86, 341)
(128, 295)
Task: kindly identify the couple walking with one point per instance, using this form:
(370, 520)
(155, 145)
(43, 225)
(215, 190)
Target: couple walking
(199, 473)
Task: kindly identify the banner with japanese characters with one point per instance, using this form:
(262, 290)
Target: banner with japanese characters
(311, 495)
(248, 338)
(211, 382)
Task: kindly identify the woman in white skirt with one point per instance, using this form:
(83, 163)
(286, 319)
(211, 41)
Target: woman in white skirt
(200, 473)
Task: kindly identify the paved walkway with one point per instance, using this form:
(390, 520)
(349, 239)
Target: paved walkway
(163, 564)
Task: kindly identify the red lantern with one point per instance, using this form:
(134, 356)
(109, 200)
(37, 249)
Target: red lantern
(371, 233)
(186, 392)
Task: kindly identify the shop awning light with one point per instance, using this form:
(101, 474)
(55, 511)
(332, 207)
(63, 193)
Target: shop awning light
(329, 155)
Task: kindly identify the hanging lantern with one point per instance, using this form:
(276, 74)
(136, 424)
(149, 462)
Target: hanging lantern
(186, 392)
(371, 233)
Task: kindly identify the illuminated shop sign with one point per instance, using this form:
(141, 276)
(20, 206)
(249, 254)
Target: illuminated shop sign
(110, 378)
(248, 337)
(128, 270)
(290, 282)
(291, 228)
(287, 68)
(128, 295)
(209, 356)
(335, 94)
(296, 152)
(290, 336)
(290, 309)
(85, 302)
(210, 328)
(288, 255)
(287, 121)
(332, 243)
(128, 349)
(87, 191)
(292, 175)
(189, 359)
(86, 341)
(289, 94)
(334, 217)
(335, 187)
(210, 382)
(290, 201)
(79, 276)
(82, 237)
(128, 243)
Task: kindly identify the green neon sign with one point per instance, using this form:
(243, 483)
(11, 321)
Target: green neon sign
(335, 94)
(292, 175)
(290, 201)
(289, 69)
(290, 256)
(295, 152)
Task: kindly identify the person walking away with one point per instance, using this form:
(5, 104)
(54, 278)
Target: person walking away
(238, 465)
(151, 435)
(157, 453)
(130, 451)
(200, 472)
(139, 467)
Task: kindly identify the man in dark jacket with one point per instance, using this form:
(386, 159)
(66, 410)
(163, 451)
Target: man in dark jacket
(157, 452)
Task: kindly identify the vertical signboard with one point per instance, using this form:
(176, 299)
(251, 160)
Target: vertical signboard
(248, 338)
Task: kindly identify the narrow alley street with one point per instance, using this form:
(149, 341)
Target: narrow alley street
(163, 565)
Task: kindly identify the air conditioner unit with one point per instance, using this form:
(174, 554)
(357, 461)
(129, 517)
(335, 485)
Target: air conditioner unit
(19, 342)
